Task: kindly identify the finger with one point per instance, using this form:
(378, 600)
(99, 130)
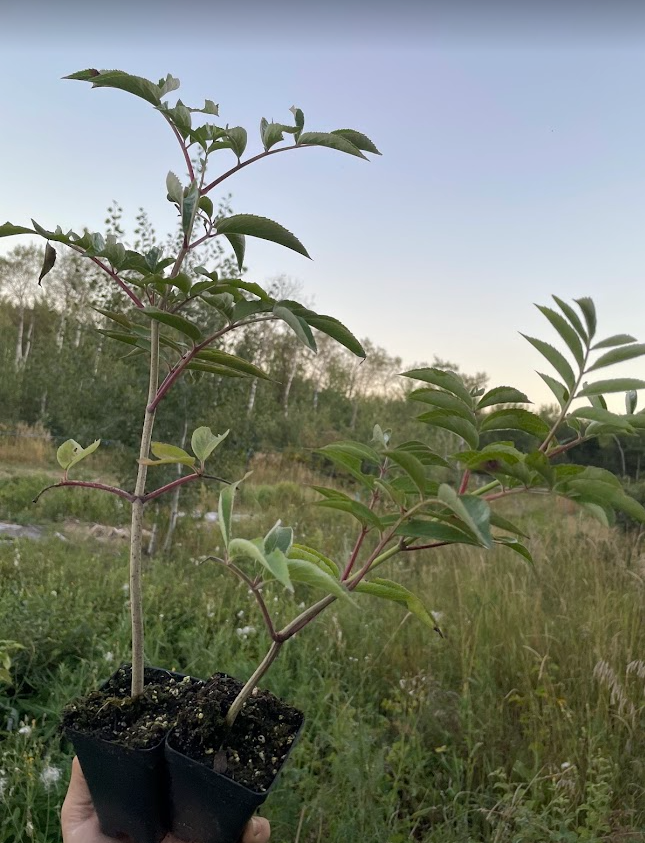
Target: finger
(258, 830)
(77, 806)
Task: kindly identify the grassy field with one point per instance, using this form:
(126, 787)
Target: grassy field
(524, 724)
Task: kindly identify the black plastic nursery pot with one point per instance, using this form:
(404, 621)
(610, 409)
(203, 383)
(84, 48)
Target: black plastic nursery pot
(129, 786)
(208, 805)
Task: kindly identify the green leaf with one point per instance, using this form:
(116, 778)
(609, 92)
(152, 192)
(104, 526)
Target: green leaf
(445, 401)
(332, 141)
(174, 321)
(119, 318)
(206, 205)
(444, 379)
(434, 531)
(168, 455)
(473, 511)
(48, 261)
(604, 494)
(493, 452)
(555, 358)
(604, 417)
(232, 361)
(605, 515)
(517, 546)
(261, 227)
(136, 85)
(309, 554)
(616, 339)
(203, 442)
(189, 207)
(515, 419)
(559, 390)
(588, 309)
(358, 139)
(304, 571)
(358, 510)
(336, 330)
(502, 395)
(9, 230)
(238, 244)
(423, 453)
(70, 453)
(613, 385)
(225, 511)
(412, 467)
(297, 324)
(567, 333)
(278, 537)
(631, 400)
(618, 355)
(388, 590)
(174, 189)
(238, 138)
(353, 449)
(275, 562)
(497, 520)
(539, 462)
(455, 424)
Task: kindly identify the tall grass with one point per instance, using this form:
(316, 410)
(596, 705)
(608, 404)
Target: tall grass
(524, 724)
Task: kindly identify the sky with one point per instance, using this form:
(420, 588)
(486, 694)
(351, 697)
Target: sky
(513, 165)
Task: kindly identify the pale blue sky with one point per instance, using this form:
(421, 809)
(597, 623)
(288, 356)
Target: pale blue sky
(513, 159)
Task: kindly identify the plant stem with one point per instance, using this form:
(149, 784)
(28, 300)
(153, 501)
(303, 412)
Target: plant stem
(114, 490)
(253, 586)
(241, 164)
(463, 486)
(247, 690)
(352, 558)
(136, 601)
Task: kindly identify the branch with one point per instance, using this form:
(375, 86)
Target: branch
(137, 301)
(253, 586)
(408, 548)
(240, 165)
(114, 490)
(352, 558)
(247, 690)
(463, 487)
(156, 493)
(182, 144)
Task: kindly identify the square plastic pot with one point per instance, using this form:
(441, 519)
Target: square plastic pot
(207, 806)
(129, 787)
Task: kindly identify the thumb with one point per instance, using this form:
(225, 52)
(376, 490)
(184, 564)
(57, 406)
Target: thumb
(77, 806)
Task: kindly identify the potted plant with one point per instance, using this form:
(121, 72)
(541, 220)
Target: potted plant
(165, 751)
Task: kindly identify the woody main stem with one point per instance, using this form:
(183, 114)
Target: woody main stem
(136, 532)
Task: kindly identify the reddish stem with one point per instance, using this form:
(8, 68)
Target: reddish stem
(463, 487)
(156, 493)
(240, 165)
(352, 558)
(182, 144)
(424, 546)
(114, 490)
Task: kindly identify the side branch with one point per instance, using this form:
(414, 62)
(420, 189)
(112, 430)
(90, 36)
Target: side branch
(246, 163)
(113, 490)
(189, 163)
(188, 478)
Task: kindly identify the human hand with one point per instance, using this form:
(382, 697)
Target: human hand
(81, 825)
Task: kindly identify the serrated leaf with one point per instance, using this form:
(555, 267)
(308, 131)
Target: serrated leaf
(613, 385)
(358, 510)
(515, 545)
(137, 85)
(539, 462)
(605, 494)
(618, 355)
(189, 206)
(388, 590)
(278, 537)
(119, 318)
(559, 390)
(353, 449)
(275, 562)
(616, 339)
(261, 227)
(497, 520)
(444, 401)
(434, 531)
(175, 321)
(232, 361)
(204, 441)
(168, 455)
(297, 324)
(308, 573)
(473, 511)
(411, 465)
(515, 419)
(238, 139)
(331, 141)
(238, 244)
(309, 554)
(423, 453)
(455, 424)
(444, 379)
(48, 261)
(572, 316)
(174, 189)
(336, 330)
(588, 309)
(555, 358)
(9, 230)
(359, 140)
(605, 515)
(604, 417)
(566, 332)
(502, 395)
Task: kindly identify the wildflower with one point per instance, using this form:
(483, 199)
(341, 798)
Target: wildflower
(240, 614)
(108, 657)
(29, 828)
(50, 776)
(125, 588)
(565, 765)
(3, 783)
(245, 631)
(25, 729)
(54, 593)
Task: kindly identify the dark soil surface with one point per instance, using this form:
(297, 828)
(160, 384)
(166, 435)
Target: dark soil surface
(141, 723)
(252, 752)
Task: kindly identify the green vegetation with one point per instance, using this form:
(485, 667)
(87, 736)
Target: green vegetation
(523, 724)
